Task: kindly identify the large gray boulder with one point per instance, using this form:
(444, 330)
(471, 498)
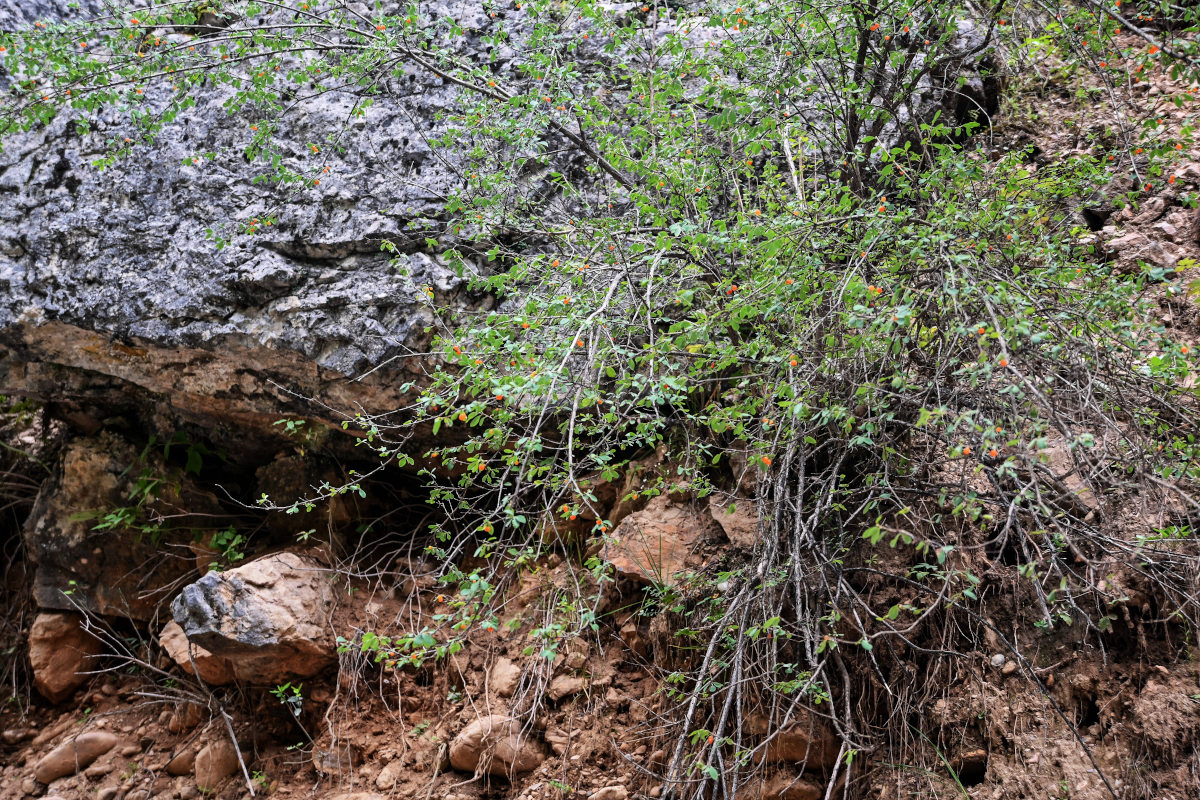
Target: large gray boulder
(113, 294)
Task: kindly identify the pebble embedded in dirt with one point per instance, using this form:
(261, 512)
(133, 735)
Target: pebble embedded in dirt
(390, 775)
(998, 660)
(565, 685)
(15, 735)
(216, 762)
(505, 677)
(59, 652)
(74, 755)
(183, 762)
(610, 793)
(496, 745)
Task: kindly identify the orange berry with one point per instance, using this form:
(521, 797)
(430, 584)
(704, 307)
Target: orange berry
(766, 460)
(462, 416)
(993, 453)
(482, 467)
(1004, 362)
(966, 451)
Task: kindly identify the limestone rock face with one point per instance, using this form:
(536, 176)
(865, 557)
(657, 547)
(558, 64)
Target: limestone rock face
(73, 755)
(113, 294)
(59, 652)
(659, 541)
(117, 571)
(267, 619)
(495, 745)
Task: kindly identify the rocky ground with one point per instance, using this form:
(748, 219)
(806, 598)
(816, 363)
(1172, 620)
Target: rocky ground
(113, 703)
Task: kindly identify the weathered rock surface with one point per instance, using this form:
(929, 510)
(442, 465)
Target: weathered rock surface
(610, 793)
(564, 686)
(805, 741)
(658, 542)
(216, 762)
(59, 654)
(268, 619)
(495, 745)
(183, 763)
(211, 669)
(504, 678)
(738, 518)
(789, 787)
(118, 571)
(390, 775)
(113, 294)
(74, 755)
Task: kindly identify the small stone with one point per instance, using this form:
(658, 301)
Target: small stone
(496, 745)
(565, 685)
(633, 639)
(29, 787)
(108, 793)
(610, 793)
(389, 776)
(1167, 228)
(1130, 241)
(655, 544)
(60, 650)
(504, 678)
(215, 763)
(558, 741)
(16, 735)
(998, 661)
(131, 750)
(182, 763)
(74, 755)
(1009, 668)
